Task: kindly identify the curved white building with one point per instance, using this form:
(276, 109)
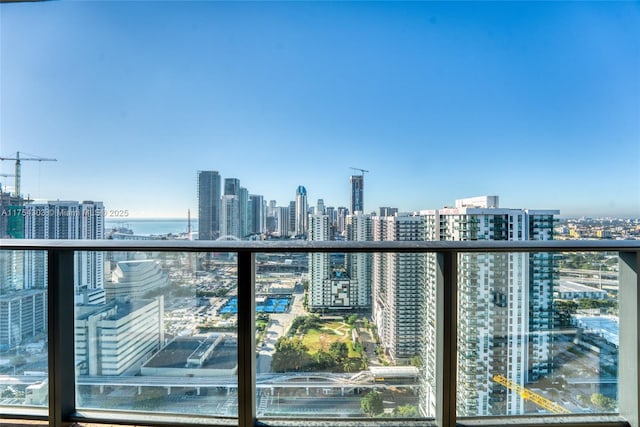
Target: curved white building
(135, 278)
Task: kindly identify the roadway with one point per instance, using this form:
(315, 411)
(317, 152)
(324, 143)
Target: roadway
(278, 326)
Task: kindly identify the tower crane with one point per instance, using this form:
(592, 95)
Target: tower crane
(18, 160)
(362, 171)
(542, 402)
(4, 175)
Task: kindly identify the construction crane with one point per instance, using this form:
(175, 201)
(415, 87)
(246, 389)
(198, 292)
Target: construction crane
(4, 175)
(18, 160)
(362, 171)
(542, 402)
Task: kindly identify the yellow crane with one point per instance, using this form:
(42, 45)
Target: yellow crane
(529, 395)
(18, 160)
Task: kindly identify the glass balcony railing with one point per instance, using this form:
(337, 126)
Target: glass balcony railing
(259, 333)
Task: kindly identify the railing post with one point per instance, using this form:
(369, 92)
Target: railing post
(628, 370)
(447, 332)
(246, 340)
(60, 325)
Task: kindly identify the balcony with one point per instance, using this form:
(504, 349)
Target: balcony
(63, 379)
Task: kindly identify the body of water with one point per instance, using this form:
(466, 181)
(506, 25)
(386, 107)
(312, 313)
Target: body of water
(152, 226)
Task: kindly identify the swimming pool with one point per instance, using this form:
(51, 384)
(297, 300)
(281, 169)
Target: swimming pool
(269, 305)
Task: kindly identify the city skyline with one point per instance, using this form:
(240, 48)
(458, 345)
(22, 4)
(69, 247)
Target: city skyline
(537, 103)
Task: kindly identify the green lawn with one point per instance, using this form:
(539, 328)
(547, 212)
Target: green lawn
(329, 333)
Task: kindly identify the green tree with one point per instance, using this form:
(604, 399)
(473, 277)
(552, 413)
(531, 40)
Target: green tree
(8, 393)
(310, 322)
(290, 355)
(602, 402)
(565, 309)
(416, 361)
(339, 351)
(351, 320)
(324, 360)
(353, 364)
(371, 403)
(407, 411)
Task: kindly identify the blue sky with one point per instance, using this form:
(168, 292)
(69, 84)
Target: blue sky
(536, 102)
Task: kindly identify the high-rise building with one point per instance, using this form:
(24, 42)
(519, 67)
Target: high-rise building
(24, 273)
(292, 218)
(282, 221)
(387, 211)
(398, 287)
(357, 193)
(11, 219)
(11, 227)
(321, 292)
(359, 265)
(65, 220)
(320, 209)
(505, 303)
(230, 216)
(257, 216)
(302, 214)
(243, 212)
(331, 212)
(23, 314)
(341, 220)
(231, 187)
(271, 208)
(339, 288)
(208, 205)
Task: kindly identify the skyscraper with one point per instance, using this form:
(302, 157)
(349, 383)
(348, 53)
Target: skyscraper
(257, 214)
(292, 218)
(230, 216)
(65, 220)
(398, 287)
(339, 288)
(357, 193)
(208, 205)
(282, 221)
(341, 220)
(302, 208)
(358, 265)
(321, 292)
(231, 187)
(505, 301)
(387, 211)
(243, 212)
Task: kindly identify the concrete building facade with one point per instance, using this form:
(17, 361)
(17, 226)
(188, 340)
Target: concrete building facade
(116, 338)
(505, 303)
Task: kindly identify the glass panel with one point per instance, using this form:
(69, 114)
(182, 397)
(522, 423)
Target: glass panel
(336, 340)
(156, 336)
(23, 329)
(538, 333)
